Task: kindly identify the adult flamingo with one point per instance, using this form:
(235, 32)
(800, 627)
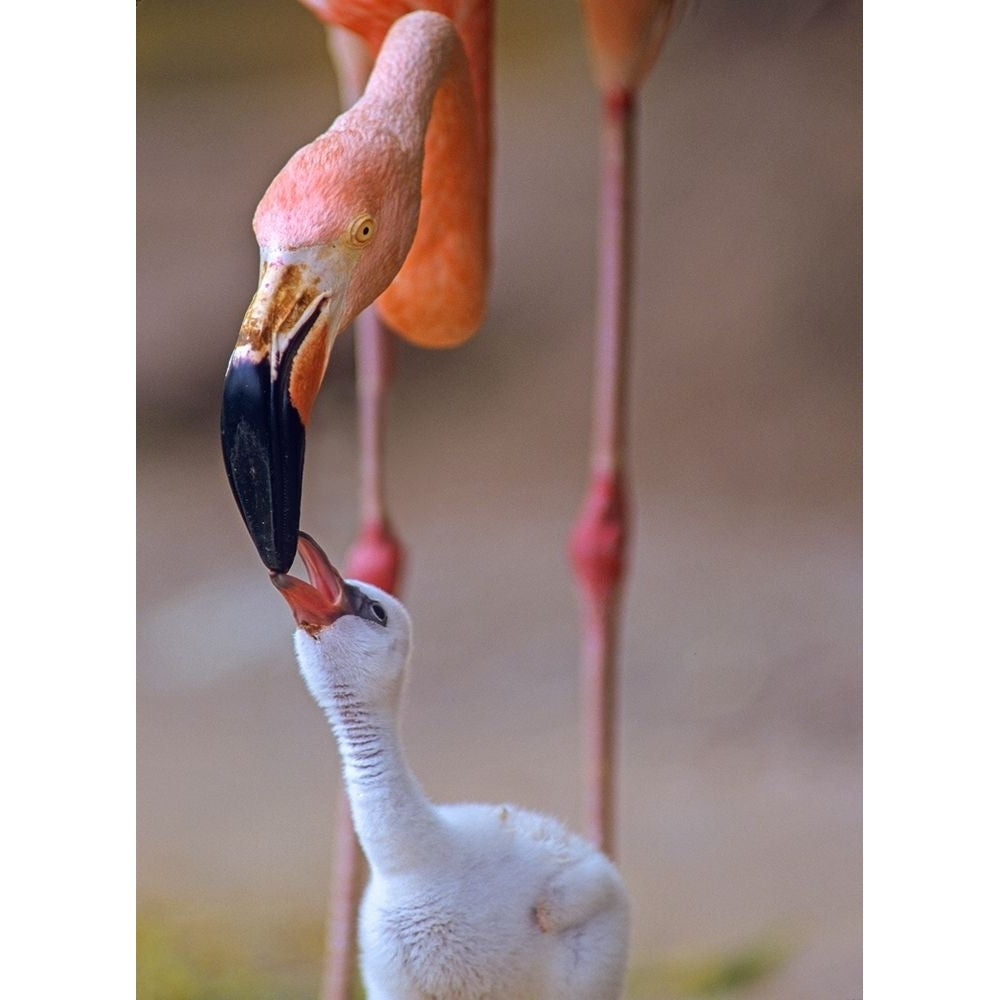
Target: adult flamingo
(338, 228)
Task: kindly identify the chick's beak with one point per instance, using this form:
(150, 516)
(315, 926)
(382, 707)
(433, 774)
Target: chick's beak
(325, 598)
(273, 377)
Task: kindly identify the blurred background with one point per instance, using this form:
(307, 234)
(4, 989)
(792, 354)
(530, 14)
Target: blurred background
(740, 792)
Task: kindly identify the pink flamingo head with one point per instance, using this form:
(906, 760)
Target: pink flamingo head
(344, 208)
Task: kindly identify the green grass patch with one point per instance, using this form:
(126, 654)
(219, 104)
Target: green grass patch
(208, 960)
(708, 976)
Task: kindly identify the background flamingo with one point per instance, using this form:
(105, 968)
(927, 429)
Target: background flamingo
(743, 551)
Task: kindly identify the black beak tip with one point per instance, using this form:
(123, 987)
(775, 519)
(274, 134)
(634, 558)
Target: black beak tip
(263, 447)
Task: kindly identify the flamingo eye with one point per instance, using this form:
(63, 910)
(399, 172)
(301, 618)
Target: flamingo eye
(362, 230)
(378, 613)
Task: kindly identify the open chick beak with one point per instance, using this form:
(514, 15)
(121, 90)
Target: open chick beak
(273, 377)
(325, 598)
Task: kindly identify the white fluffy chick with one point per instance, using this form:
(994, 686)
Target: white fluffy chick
(465, 902)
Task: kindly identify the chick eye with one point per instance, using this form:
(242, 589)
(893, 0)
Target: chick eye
(378, 613)
(362, 230)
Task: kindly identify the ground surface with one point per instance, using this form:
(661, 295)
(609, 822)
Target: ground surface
(740, 803)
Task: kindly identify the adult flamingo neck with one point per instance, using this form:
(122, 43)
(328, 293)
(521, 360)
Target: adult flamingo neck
(422, 89)
(415, 58)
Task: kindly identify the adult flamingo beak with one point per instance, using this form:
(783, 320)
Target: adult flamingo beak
(272, 380)
(325, 598)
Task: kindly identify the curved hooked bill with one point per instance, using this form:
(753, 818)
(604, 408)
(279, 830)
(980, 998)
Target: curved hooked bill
(263, 430)
(326, 597)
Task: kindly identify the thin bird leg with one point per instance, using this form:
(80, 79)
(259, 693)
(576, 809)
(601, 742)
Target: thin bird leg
(375, 556)
(345, 894)
(599, 538)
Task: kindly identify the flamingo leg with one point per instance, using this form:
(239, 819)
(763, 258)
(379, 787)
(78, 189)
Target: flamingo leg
(599, 539)
(376, 555)
(345, 894)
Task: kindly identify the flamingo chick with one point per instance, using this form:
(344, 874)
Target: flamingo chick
(335, 229)
(465, 901)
